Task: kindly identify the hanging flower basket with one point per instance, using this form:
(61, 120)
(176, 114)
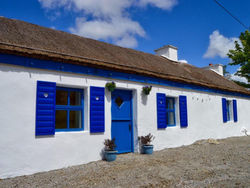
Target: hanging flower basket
(146, 90)
(110, 86)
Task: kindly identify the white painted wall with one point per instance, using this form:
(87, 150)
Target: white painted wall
(22, 153)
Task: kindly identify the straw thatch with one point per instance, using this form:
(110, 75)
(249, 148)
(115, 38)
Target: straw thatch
(22, 38)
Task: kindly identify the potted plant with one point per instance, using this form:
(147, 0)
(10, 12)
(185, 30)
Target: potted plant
(109, 150)
(146, 146)
(146, 90)
(110, 86)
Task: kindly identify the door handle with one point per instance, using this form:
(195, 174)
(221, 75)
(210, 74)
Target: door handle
(129, 126)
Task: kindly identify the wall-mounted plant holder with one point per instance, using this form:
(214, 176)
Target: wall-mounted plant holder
(146, 90)
(110, 86)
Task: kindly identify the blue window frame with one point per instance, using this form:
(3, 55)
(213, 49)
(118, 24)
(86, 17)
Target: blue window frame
(69, 109)
(170, 111)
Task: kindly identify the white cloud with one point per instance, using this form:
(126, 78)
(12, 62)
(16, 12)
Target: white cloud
(127, 41)
(107, 19)
(163, 4)
(235, 77)
(219, 45)
(53, 3)
(121, 30)
(238, 78)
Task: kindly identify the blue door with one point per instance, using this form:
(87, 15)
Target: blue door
(121, 128)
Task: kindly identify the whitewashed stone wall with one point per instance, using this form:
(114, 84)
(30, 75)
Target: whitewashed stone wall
(22, 153)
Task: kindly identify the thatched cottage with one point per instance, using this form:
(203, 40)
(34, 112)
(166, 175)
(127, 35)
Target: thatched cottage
(55, 111)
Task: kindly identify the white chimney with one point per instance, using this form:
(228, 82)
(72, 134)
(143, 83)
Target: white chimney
(218, 68)
(168, 51)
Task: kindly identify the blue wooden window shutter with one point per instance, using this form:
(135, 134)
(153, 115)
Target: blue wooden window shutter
(161, 111)
(235, 110)
(183, 111)
(45, 108)
(224, 109)
(97, 112)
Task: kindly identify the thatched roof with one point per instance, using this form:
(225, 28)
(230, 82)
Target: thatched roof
(22, 38)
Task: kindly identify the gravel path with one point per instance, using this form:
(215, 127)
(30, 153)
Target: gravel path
(206, 163)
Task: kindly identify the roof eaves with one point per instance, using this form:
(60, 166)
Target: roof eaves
(66, 58)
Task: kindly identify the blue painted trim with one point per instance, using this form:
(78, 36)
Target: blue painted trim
(65, 67)
(65, 107)
(235, 114)
(68, 89)
(131, 119)
(183, 111)
(68, 130)
(169, 110)
(161, 110)
(97, 109)
(45, 108)
(69, 108)
(224, 110)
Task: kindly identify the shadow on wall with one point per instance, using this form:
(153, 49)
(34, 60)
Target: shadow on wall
(144, 98)
(45, 136)
(102, 154)
(108, 95)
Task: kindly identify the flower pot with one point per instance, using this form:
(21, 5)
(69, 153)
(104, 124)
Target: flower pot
(110, 155)
(147, 149)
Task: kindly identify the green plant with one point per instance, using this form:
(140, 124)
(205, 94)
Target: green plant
(109, 144)
(146, 140)
(146, 90)
(241, 56)
(110, 86)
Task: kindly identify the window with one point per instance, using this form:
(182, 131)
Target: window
(170, 111)
(69, 109)
(228, 110)
(166, 111)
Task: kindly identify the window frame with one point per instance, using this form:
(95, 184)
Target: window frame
(69, 108)
(170, 110)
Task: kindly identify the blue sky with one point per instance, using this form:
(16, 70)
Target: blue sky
(202, 31)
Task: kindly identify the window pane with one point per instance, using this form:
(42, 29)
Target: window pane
(167, 103)
(61, 119)
(61, 97)
(75, 98)
(228, 110)
(171, 104)
(75, 119)
(170, 118)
